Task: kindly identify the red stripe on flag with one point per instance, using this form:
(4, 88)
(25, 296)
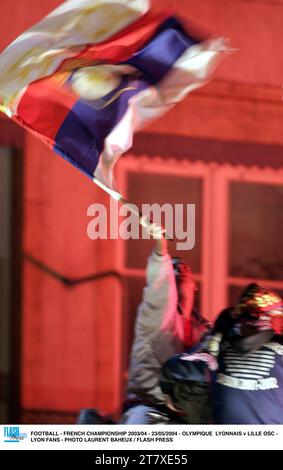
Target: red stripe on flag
(44, 107)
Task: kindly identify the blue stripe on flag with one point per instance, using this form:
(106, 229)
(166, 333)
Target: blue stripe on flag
(160, 54)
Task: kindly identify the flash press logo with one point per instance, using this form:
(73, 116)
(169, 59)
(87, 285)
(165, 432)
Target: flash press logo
(13, 434)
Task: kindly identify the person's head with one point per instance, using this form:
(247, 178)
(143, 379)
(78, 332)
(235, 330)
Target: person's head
(186, 285)
(258, 309)
(255, 319)
(185, 381)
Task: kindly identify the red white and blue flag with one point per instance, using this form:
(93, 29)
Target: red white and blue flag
(92, 72)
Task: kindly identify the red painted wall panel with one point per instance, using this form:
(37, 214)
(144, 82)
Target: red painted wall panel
(254, 27)
(71, 339)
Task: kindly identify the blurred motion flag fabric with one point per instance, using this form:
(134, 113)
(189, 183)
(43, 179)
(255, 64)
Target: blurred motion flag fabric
(94, 71)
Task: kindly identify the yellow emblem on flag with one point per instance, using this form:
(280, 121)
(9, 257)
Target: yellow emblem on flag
(95, 83)
(92, 83)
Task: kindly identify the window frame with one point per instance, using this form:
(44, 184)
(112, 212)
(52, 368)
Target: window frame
(160, 166)
(226, 175)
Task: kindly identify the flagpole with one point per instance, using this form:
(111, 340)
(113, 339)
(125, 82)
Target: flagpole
(151, 226)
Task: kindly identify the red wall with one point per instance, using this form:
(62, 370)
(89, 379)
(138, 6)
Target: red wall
(71, 338)
(255, 29)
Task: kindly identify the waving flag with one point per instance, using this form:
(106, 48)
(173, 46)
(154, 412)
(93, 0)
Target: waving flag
(94, 71)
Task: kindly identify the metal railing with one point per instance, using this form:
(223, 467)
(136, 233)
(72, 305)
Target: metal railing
(73, 281)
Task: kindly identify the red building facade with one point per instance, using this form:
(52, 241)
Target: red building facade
(72, 301)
